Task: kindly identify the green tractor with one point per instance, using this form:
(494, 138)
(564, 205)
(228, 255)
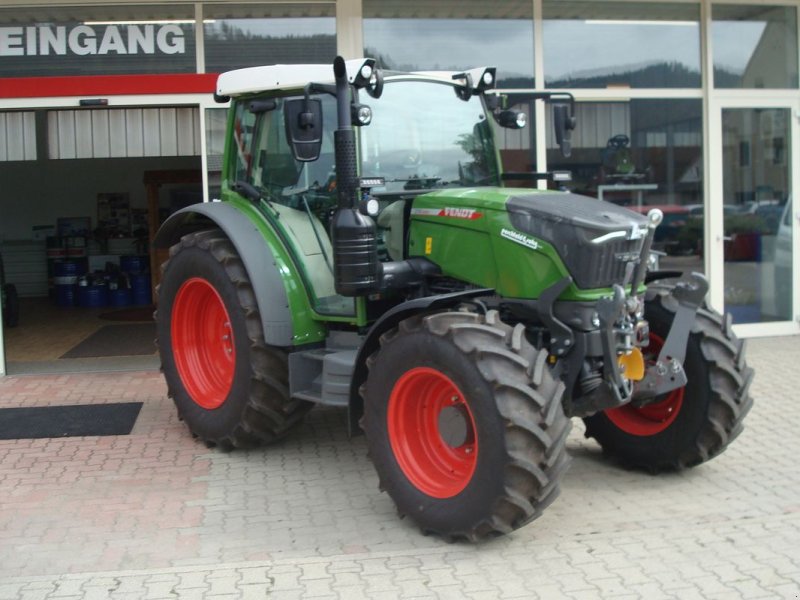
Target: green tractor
(366, 254)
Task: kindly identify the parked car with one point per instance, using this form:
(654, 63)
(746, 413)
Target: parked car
(667, 238)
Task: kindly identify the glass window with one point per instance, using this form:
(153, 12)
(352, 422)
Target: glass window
(621, 44)
(428, 36)
(423, 136)
(517, 147)
(754, 46)
(242, 142)
(643, 154)
(756, 154)
(216, 123)
(36, 42)
(248, 35)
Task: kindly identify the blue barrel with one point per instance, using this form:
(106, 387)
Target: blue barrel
(93, 295)
(140, 288)
(133, 263)
(66, 294)
(120, 297)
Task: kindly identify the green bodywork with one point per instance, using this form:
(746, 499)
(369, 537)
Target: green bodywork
(468, 233)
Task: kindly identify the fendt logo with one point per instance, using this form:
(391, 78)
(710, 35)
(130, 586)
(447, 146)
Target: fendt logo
(462, 213)
(469, 214)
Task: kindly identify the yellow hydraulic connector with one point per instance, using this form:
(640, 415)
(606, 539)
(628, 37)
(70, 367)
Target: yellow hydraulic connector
(632, 364)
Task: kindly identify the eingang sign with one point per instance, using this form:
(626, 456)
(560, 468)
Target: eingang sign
(82, 48)
(83, 40)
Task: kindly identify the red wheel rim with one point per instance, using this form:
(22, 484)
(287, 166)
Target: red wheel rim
(202, 343)
(422, 401)
(653, 418)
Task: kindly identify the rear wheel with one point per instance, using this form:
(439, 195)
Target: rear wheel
(229, 386)
(464, 424)
(692, 424)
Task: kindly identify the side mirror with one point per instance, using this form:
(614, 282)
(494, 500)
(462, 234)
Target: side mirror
(303, 118)
(564, 123)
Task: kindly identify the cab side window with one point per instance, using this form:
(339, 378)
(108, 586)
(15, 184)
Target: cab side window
(243, 130)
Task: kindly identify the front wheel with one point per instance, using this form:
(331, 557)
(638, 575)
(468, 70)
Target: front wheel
(464, 424)
(692, 424)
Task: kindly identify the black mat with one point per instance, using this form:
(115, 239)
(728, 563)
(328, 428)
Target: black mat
(116, 340)
(134, 313)
(68, 421)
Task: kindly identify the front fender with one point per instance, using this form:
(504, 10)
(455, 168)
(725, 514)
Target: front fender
(388, 321)
(285, 314)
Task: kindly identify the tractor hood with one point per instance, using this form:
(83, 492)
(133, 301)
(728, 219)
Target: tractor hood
(595, 239)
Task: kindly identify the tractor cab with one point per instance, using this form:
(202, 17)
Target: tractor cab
(420, 132)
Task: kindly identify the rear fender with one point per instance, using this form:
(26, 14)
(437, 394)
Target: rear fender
(286, 321)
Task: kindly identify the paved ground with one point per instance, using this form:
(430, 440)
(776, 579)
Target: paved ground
(156, 515)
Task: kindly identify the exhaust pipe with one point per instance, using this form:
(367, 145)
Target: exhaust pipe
(356, 268)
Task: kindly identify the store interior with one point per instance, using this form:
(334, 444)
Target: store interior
(74, 240)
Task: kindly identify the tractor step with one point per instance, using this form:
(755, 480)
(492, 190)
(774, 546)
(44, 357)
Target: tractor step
(323, 375)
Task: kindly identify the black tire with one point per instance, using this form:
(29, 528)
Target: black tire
(518, 428)
(712, 406)
(11, 309)
(256, 407)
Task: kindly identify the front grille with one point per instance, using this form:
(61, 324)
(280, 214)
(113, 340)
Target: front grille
(593, 266)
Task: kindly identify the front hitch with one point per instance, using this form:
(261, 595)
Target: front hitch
(667, 373)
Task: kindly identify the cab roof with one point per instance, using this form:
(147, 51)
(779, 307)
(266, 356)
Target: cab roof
(287, 77)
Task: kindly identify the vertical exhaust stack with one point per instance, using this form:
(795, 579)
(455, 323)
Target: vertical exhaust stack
(356, 268)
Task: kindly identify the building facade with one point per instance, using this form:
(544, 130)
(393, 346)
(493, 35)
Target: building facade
(106, 112)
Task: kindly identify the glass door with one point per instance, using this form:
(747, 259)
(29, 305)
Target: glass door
(755, 218)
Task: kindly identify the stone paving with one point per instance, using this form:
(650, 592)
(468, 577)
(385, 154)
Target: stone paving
(157, 515)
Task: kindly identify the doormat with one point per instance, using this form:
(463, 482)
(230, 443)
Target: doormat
(68, 421)
(135, 313)
(116, 340)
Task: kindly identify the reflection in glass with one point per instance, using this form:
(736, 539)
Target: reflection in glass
(448, 144)
(216, 119)
(425, 36)
(626, 44)
(517, 146)
(643, 154)
(758, 232)
(754, 46)
(248, 35)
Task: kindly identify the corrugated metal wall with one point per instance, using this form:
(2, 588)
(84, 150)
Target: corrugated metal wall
(17, 136)
(123, 133)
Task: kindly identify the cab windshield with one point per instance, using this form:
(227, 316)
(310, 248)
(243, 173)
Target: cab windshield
(423, 137)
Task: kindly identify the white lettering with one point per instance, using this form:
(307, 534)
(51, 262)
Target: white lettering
(11, 41)
(87, 45)
(176, 45)
(519, 238)
(141, 39)
(461, 213)
(57, 41)
(83, 40)
(112, 41)
(30, 41)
